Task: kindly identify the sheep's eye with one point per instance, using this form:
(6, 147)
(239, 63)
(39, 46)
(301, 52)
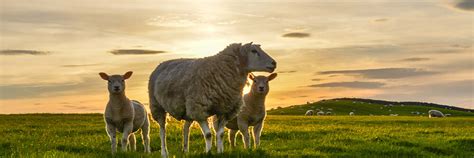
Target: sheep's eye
(110, 81)
(254, 51)
(122, 80)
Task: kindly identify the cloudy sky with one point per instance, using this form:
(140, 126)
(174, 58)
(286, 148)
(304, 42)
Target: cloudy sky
(407, 50)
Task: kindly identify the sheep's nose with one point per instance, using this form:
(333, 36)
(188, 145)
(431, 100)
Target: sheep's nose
(274, 63)
(261, 88)
(116, 88)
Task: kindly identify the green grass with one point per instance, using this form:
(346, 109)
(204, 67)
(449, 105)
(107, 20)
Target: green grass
(83, 135)
(343, 107)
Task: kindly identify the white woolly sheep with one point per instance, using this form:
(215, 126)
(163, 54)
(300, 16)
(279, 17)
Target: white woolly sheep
(123, 115)
(447, 115)
(435, 113)
(309, 113)
(328, 113)
(320, 113)
(330, 109)
(393, 114)
(252, 112)
(195, 89)
(351, 113)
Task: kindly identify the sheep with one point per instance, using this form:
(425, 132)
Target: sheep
(435, 113)
(330, 109)
(309, 113)
(393, 114)
(320, 113)
(123, 115)
(252, 112)
(328, 113)
(447, 115)
(195, 89)
(351, 113)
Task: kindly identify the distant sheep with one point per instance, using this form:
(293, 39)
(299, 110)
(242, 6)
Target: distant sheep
(328, 113)
(351, 113)
(435, 113)
(123, 115)
(252, 112)
(195, 89)
(393, 114)
(320, 113)
(309, 113)
(329, 109)
(447, 115)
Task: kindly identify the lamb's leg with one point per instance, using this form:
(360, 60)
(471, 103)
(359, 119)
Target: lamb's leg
(112, 135)
(132, 141)
(257, 132)
(127, 129)
(146, 135)
(243, 128)
(232, 137)
(219, 125)
(186, 126)
(207, 134)
(159, 115)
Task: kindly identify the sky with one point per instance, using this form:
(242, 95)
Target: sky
(51, 51)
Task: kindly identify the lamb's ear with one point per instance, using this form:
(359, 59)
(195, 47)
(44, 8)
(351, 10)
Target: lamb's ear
(252, 76)
(127, 75)
(272, 76)
(104, 76)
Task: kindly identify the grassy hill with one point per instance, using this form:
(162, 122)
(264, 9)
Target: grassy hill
(343, 106)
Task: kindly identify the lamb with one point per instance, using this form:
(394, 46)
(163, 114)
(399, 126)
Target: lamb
(252, 112)
(435, 113)
(309, 113)
(195, 89)
(351, 113)
(123, 115)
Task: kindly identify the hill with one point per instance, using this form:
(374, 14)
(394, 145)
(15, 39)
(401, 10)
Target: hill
(342, 106)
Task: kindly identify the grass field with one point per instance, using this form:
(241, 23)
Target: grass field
(83, 135)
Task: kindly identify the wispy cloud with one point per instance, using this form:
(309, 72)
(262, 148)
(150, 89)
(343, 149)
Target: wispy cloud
(136, 52)
(382, 73)
(465, 5)
(296, 35)
(79, 65)
(354, 84)
(414, 59)
(289, 71)
(22, 52)
(381, 20)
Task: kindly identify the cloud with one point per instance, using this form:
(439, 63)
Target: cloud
(354, 84)
(382, 73)
(296, 35)
(381, 20)
(316, 79)
(414, 59)
(467, 5)
(22, 52)
(79, 65)
(135, 52)
(289, 71)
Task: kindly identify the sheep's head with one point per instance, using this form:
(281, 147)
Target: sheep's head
(256, 59)
(116, 83)
(260, 83)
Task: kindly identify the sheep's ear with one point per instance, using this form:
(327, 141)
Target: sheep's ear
(127, 75)
(272, 76)
(251, 76)
(104, 76)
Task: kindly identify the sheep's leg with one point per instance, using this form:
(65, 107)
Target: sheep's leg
(243, 128)
(186, 126)
(219, 125)
(112, 135)
(257, 131)
(207, 134)
(127, 129)
(132, 141)
(162, 121)
(146, 135)
(232, 137)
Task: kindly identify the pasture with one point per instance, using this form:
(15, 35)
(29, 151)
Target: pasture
(83, 135)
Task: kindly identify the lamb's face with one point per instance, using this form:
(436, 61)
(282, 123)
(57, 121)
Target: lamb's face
(260, 83)
(116, 83)
(257, 59)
